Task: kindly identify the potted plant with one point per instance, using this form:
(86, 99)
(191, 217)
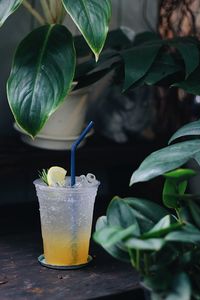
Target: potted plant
(47, 61)
(162, 242)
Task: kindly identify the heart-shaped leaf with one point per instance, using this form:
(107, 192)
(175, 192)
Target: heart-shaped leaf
(7, 7)
(192, 128)
(166, 159)
(138, 61)
(41, 76)
(92, 18)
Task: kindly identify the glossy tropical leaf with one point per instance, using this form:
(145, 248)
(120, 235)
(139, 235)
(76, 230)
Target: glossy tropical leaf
(189, 129)
(118, 250)
(191, 84)
(188, 234)
(121, 215)
(92, 18)
(189, 52)
(180, 174)
(195, 212)
(146, 37)
(146, 212)
(166, 159)
(7, 7)
(163, 227)
(149, 244)
(162, 67)
(138, 61)
(41, 76)
(109, 236)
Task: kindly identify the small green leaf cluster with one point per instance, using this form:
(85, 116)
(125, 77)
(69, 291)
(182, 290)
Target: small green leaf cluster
(161, 242)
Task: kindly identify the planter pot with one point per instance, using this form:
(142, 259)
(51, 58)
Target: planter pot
(64, 126)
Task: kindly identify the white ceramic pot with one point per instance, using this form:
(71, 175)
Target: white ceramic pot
(64, 126)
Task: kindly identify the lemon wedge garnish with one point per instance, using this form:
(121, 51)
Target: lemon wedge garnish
(56, 176)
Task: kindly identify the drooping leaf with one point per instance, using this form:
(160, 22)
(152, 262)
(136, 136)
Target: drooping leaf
(149, 244)
(162, 67)
(118, 250)
(109, 236)
(187, 234)
(166, 159)
(92, 18)
(189, 129)
(163, 227)
(189, 52)
(195, 212)
(120, 214)
(7, 7)
(138, 61)
(191, 84)
(41, 76)
(146, 212)
(180, 174)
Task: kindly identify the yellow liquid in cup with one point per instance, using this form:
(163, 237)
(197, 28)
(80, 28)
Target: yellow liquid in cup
(61, 250)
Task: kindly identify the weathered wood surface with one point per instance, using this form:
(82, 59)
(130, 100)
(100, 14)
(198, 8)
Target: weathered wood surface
(22, 278)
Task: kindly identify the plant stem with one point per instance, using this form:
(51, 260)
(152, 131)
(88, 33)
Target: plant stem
(131, 257)
(34, 12)
(146, 264)
(137, 262)
(47, 12)
(178, 215)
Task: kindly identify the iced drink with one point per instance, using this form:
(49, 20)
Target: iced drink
(66, 219)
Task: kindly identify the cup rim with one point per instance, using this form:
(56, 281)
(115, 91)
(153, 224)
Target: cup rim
(42, 185)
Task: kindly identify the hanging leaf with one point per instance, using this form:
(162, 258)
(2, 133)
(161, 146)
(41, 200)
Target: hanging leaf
(41, 76)
(7, 7)
(189, 52)
(92, 18)
(138, 61)
(189, 129)
(150, 244)
(166, 159)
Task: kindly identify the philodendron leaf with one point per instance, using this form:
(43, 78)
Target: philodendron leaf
(180, 174)
(120, 214)
(189, 129)
(191, 84)
(41, 76)
(166, 159)
(92, 18)
(147, 213)
(189, 52)
(138, 61)
(149, 244)
(187, 234)
(7, 7)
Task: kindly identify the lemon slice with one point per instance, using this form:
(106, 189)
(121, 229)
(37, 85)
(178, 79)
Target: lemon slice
(56, 176)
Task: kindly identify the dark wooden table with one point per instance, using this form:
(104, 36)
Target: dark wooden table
(22, 278)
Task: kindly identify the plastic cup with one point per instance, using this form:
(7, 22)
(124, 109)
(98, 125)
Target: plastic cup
(66, 220)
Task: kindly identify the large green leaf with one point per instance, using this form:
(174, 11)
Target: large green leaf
(166, 159)
(192, 128)
(92, 18)
(138, 61)
(163, 227)
(146, 212)
(150, 244)
(7, 7)
(120, 214)
(162, 67)
(118, 250)
(188, 234)
(41, 76)
(189, 52)
(191, 84)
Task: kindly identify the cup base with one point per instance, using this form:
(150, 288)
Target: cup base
(41, 260)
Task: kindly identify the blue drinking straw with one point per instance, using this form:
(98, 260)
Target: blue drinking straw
(73, 151)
